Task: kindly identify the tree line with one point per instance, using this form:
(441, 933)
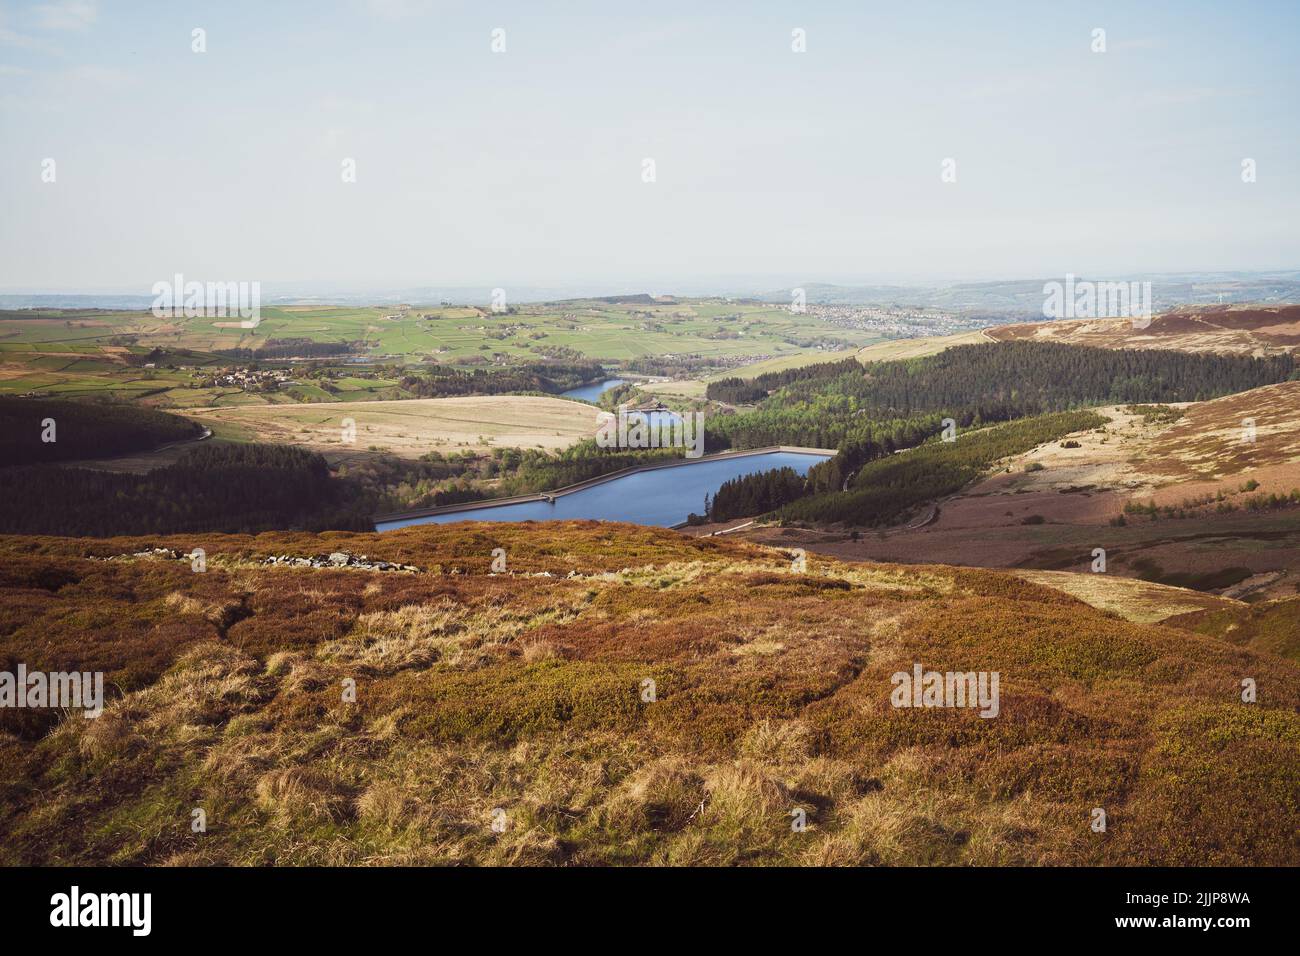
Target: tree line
(847, 405)
(550, 378)
(1005, 380)
(886, 490)
(740, 391)
(210, 488)
(36, 430)
(755, 494)
(293, 348)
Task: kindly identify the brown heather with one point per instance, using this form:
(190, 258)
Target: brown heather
(522, 692)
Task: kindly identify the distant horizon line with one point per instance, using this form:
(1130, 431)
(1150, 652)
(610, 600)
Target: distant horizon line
(723, 287)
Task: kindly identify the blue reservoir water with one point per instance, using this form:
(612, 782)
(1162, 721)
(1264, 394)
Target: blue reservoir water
(592, 393)
(663, 497)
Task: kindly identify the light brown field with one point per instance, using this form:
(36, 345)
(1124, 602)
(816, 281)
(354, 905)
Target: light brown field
(1201, 454)
(678, 388)
(1142, 602)
(695, 388)
(919, 347)
(781, 364)
(414, 427)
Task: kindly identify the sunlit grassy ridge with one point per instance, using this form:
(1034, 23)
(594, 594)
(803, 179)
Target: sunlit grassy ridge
(523, 692)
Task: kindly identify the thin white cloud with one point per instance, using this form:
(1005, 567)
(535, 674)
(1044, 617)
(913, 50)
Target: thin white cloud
(66, 14)
(398, 9)
(7, 69)
(99, 76)
(1178, 97)
(22, 41)
(1137, 43)
(347, 105)
(999, 89)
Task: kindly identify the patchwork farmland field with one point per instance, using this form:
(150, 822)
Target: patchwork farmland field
(76, 354)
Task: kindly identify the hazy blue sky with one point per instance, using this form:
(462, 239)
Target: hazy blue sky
(526, 166)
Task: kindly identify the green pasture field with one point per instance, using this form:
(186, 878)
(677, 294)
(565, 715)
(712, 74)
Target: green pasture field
(81, 353)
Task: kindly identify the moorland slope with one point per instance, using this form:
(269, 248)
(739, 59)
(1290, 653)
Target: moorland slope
(1174, 494)
(506, 717)
(1240, 329)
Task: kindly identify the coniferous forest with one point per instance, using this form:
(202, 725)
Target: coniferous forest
(220, 488)
(842, 404)
(756, 494)
(34, 430)
(869, 412)
(1013, 379)
(550, 378)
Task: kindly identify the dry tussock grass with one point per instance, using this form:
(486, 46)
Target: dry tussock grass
(664, 795)
(778, 742)
(384, 642)
(107, 737)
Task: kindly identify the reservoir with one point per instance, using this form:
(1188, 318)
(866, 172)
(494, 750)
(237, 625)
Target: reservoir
(592, 393)
(658, 496)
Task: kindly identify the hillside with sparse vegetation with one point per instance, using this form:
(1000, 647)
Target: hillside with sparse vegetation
(505, 717)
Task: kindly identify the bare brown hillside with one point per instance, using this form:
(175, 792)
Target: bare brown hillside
(1242, 329)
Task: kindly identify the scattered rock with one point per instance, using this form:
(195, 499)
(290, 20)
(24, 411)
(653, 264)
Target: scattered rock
(169, 553)
(337, 559)
(160, 553)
